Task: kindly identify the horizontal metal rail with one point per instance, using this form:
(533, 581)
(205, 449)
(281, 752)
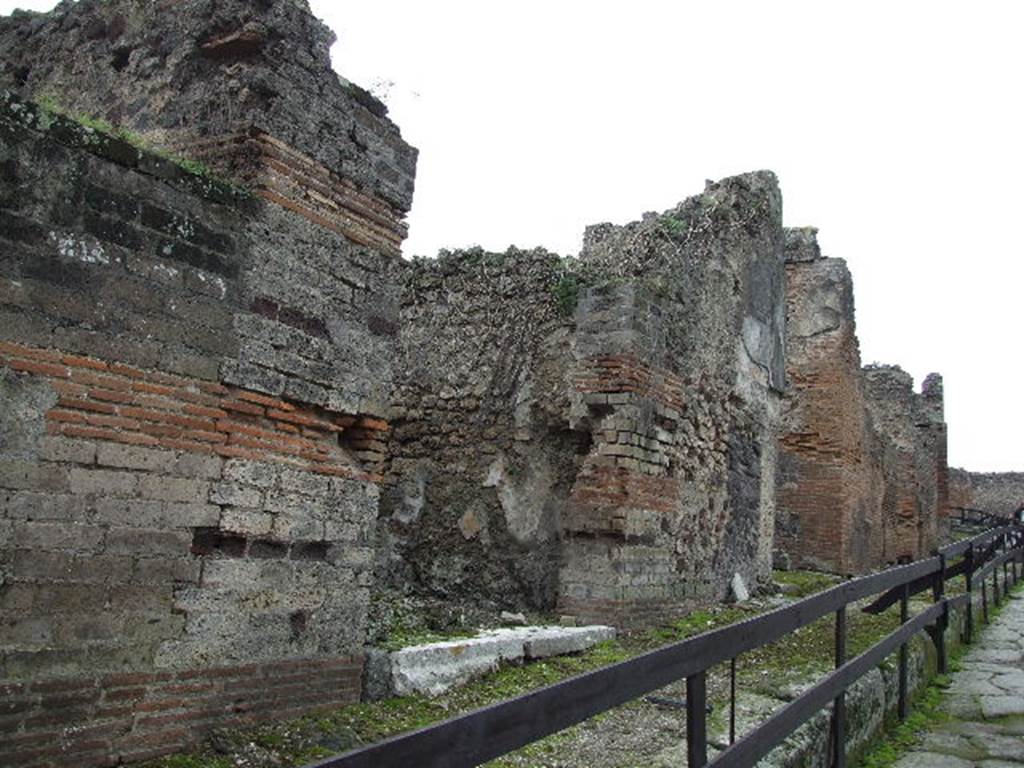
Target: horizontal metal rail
(971, 516)
(776, 729)
(1004, 557)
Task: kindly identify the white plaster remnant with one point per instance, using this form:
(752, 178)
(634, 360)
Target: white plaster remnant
(85, 250)
(434, 668)
(166, 271)
(217, 282)
(495, 473)
(521, 495)
(739, 589)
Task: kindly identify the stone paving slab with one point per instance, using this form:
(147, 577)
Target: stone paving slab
(434, 668)
(986, 702)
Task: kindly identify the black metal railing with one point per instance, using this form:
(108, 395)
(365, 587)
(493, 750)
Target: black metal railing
(971, 516)
(487, 733)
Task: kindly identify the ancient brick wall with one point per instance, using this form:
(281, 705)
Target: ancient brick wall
(912, 440)
(1000, 493)
(679, 366)
(193, 393)
(245, 87)
(206, 390)
(931, 423)
(829, 485)
(862, 469)
(593, 435)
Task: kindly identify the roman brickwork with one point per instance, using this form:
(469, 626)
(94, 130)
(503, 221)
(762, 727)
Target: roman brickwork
(862, 470)
(829, 485)
(593, 435)
(999, 493)
(195, 376)
(679, 367)
(246, 88)
(233, 420)
(912, 439)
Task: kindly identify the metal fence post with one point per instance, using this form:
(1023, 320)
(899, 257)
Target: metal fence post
(969, 578)
(904, 615)
(696, 720)
(839, 705)
(939, 636)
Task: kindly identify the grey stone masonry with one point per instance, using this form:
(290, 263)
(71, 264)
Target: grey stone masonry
(195, 373)
(205, 70)
(999, 493)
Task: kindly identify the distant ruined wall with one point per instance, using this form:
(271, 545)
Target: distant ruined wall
(934, 437)
(999, 493)
(829, 512)
(913, 437)
(194, 385)
(862, 469)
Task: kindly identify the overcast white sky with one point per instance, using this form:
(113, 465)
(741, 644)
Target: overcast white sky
(894, 127)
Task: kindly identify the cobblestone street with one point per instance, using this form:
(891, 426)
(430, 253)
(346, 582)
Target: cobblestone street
(986, 701)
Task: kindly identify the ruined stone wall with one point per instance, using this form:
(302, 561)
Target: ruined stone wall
(593, 435)
(679, 365)
(931, 423)
(862, 470)
(912, 438)
(204, 392)
(830, 478)
(194, 384)
(245, 87)
(186, 494)
(481, 455)
(679, 356)
(1000, 493)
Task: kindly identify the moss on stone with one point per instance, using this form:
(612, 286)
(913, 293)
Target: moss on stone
(114, 142)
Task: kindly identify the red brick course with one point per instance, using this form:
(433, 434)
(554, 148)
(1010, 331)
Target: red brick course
(284, 176)
(118, 403)
(113, 718)
(628, 374)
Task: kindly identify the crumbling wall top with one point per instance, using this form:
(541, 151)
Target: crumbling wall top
(802, 244)
(699, 257)
(932, 386)
(889, 378)
(726, 212)
(181, 73)
(932, 397)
